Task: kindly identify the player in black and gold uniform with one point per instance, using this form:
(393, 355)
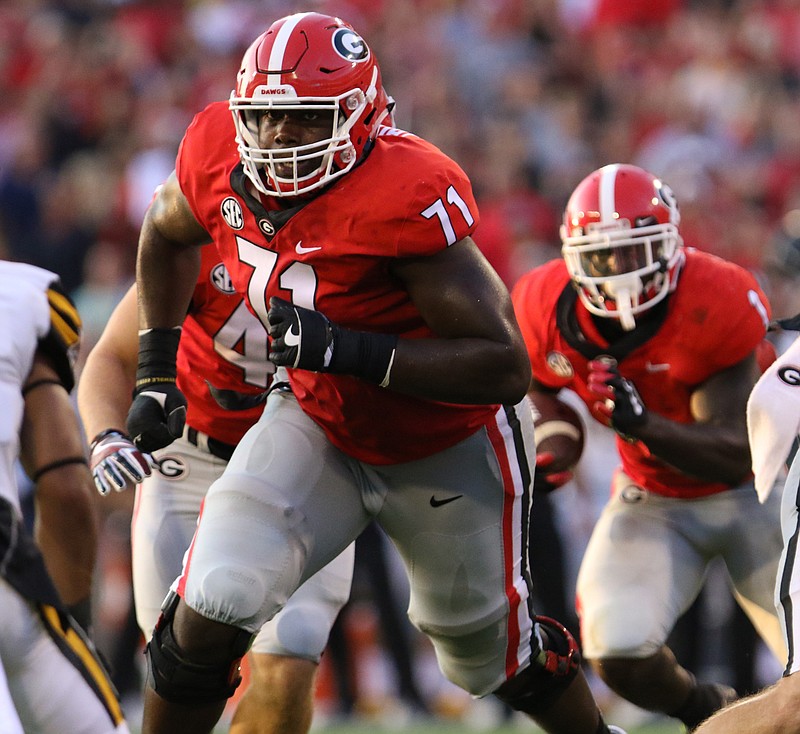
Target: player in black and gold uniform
(56, 681)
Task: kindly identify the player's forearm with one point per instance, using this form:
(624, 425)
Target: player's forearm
(66, 530)
(104, 392)
(463, 371)
(53, 453)
(702, 450)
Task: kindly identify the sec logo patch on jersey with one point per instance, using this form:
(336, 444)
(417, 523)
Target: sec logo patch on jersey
(232, 213)
(560, 365)
(221, 279)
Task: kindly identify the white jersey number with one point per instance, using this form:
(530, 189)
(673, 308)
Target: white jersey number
(244, 331)
(299, 278)
(438, 209)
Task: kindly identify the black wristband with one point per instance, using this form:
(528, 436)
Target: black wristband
(362, 354)
(158, 352)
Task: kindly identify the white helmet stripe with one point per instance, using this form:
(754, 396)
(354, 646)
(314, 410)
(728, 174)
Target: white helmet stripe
(608, 204)
(279, 47)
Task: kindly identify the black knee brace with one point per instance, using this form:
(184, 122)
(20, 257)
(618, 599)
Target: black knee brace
(536, 689)
(179, 680)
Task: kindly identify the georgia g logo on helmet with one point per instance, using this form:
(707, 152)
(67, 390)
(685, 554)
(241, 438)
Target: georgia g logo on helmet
(668, 197)
(349, 45)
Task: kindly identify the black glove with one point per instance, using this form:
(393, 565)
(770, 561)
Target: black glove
(158, 412)
(307, 340)
(621, 406)
(299, 337)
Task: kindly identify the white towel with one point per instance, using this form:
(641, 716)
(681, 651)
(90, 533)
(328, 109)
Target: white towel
(773, 418)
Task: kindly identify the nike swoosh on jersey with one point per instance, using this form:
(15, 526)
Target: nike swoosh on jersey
(303, 250)
(439, 503)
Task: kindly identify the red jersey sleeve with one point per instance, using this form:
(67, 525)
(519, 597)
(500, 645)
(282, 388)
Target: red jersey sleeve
(728, 327)
(440, 209)
(212, 128)
(535, 298)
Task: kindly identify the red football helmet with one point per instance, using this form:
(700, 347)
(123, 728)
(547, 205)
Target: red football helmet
(620, 241)
(308, 61)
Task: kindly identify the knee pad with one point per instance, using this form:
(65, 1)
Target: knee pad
(536, 689)
(298, 631)
(248, 555)
(177, 679)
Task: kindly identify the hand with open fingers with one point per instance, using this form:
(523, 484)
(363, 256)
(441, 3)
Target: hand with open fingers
(116, 463)
(619, 406)
(544, 481)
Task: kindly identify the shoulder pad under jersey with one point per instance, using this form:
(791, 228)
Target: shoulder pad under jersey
(62, 341)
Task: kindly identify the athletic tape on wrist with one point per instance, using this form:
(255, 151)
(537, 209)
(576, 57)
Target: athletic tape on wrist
(363, 354)
(158, 352)
(385, 381)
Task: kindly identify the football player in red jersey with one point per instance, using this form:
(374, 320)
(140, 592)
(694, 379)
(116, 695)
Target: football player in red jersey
(222, 352)
(351, 242)
(661, 342)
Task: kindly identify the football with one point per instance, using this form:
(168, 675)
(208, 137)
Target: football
(559, 430)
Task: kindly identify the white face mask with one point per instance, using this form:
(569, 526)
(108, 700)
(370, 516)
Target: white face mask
(621, 272)
(625, 292)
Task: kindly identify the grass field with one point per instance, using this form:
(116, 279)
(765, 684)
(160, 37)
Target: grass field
(462, 727)
(475, 720)
(356, 728)
(666, 728)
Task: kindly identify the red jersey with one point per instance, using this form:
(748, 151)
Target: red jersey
(333, 254)
(716, 317)
(222, 343)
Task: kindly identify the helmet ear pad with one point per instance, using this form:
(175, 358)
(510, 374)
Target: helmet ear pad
(306, 62)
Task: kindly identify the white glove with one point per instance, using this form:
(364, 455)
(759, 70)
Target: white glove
(116, 463)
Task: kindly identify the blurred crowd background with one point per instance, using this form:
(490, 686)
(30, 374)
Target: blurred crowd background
(527, 95)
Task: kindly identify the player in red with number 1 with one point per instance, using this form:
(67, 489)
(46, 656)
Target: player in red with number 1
(661, 342)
